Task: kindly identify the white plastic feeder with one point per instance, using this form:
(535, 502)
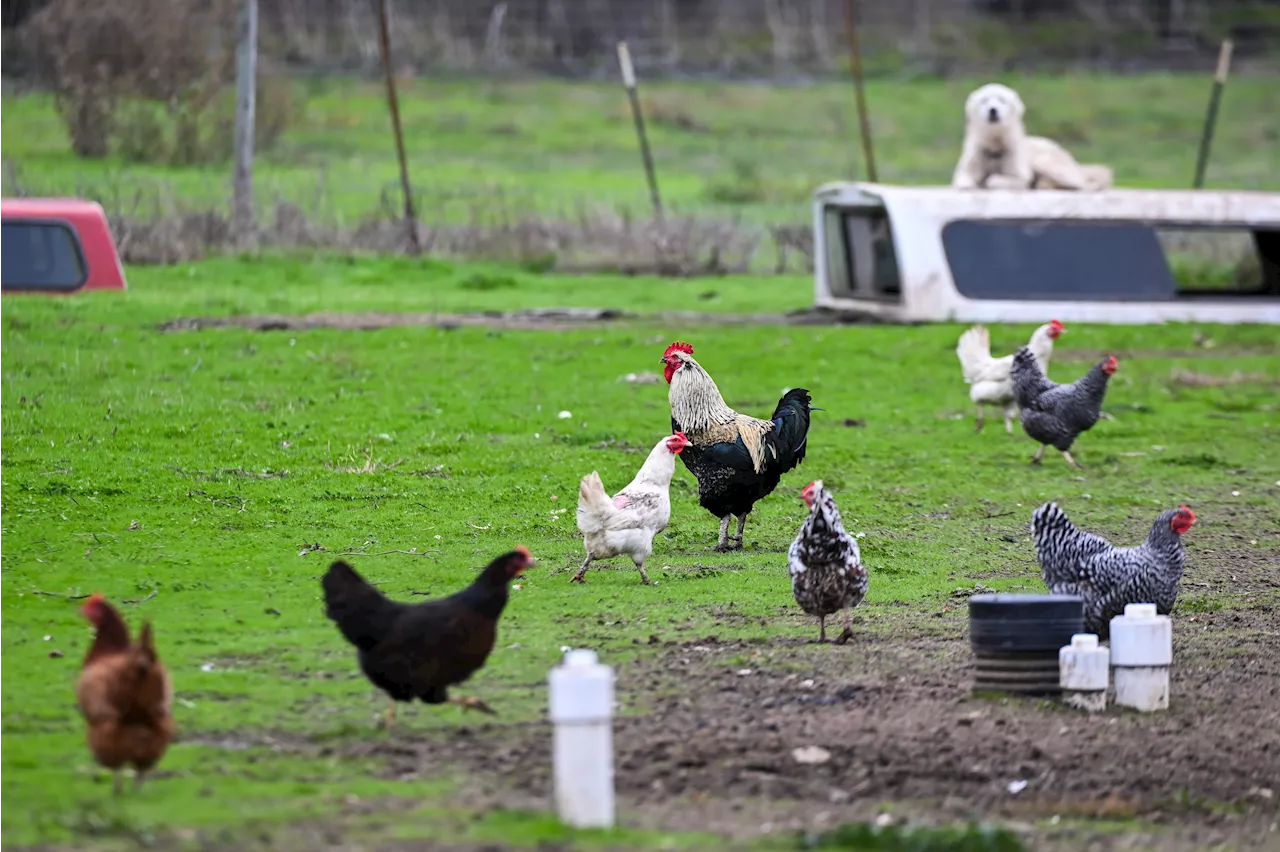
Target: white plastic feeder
(581, 709)
(1141, 652)
(1083, 669)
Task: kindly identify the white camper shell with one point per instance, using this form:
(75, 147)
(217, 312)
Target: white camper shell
(925, 254)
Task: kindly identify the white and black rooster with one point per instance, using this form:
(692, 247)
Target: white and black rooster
(1074, 562)
(627, 523)
(827, 574)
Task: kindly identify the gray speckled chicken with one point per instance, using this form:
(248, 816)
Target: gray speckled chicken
(1074, 562)
(827, 574)
(1055, 414)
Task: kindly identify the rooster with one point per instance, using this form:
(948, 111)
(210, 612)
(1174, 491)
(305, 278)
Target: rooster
(627, 523)
(1055, 414)
(990, 380)
(419, 650)
(124, 694)
(737, 460)
(1108, 577)
(827, 574)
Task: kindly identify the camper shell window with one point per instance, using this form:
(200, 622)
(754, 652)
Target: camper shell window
(41, 254)
(1118, 261)
(861, 260)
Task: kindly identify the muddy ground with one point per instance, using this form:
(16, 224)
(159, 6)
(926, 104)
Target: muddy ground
(537, 319)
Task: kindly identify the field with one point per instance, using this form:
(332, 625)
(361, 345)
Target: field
(502, 150)
(211, 475)
(201, 447)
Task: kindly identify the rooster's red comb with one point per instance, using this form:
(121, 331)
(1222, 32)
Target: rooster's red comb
(682, 436)
(524, 551)
(1056, 325)
(678, 346)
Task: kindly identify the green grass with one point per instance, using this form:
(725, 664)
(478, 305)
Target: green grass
(755, 151)
(107, 422)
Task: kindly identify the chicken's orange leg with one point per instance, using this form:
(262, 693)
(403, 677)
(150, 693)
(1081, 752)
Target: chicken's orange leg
(470, 702)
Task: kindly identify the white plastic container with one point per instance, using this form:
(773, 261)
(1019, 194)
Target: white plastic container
(581, 709)
(1083, 669)
(1141, 653)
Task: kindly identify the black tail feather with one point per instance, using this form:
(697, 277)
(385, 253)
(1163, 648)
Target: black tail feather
(362, 613)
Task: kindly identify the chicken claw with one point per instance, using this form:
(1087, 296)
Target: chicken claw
(1067, 455)
(470, 702)
(389, 715)
(845, 636)
(1039, 455)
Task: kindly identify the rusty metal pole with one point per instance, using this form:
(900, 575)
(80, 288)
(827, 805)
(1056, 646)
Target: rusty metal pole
(855, 66)
(1211, 118)
(629, 81)
(410, 216)
(246, 85)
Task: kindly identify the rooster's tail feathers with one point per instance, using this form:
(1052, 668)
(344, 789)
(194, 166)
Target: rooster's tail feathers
(361, 612)
(594, 504)
(973, 350)
(797, 398)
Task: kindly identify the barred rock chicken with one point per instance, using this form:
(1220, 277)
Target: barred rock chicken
(419, 650)
(737, 460)
(1074, 562)
(827, 574)
(990, 379)
(1055, 414)
(124, 694)
(627, 523)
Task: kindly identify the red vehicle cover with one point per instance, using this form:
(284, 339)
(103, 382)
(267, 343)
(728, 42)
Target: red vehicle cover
(57, 245)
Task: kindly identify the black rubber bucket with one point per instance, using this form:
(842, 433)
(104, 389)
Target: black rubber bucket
(1015, 640)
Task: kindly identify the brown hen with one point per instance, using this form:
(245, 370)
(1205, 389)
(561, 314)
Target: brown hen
(124, 694)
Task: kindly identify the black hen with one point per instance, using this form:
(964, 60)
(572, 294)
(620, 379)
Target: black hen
(737, 460)
(419, 650)
(1055, 414)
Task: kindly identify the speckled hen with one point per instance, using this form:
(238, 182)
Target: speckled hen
(737, 460)
(827, 574)
(1074, 562)
(1055, 414)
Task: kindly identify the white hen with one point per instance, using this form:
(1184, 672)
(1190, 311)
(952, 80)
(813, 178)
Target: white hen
(990, 379)
(627, 524)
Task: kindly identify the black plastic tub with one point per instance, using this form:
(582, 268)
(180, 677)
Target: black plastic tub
(1016, 638)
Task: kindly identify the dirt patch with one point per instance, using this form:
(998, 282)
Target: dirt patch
(548, 319)
(712, 743)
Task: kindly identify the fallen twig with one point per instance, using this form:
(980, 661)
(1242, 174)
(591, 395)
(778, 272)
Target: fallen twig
(154, 592)
(411, 552)
(59, 595)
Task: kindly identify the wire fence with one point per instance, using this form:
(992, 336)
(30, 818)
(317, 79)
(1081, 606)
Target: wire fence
(775, 37)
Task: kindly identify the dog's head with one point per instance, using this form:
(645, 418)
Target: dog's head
(994, 104)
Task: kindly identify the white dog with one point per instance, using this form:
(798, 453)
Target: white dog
(998, 153)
